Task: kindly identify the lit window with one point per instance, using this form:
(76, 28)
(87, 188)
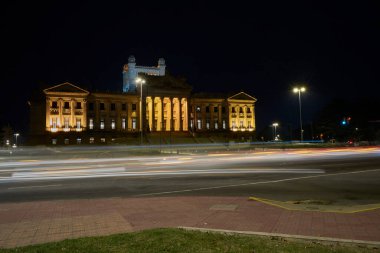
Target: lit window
(102, 124)
(249, 123)
(79, 140)
(54, 141)
(224, 124)
(113, 124)
(103, 140)
(233, 124)
(216, 123)
(207, 124)
(123, 123)
(134, 123)
(199, 124)
(54, 123)
(198, 108)
(66, 123)
(241, 123)
(67, 141)
(91, 124)
(191, 124)
(92, 140)
(78, 123)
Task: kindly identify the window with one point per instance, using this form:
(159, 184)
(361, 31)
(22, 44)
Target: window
(79, 105)
(223, 109)
(207, 124)
(92, 140)
(241, 110)
(91, 106)
(249, 123)
(241, 123)
(123, 123)
(101, 123)
(54, 141)
(248, 110)
(79, 140)
(191, 124)
(134, 123)
(54, 104)
(198, 108)
(66, 141)
(113, 107)
(199, 124)
(102, 140)
(91, 124)
(233, 110)
(67, 105)
(233, 124)
(224, 124)
(133, 107)
(124, 107)
(66, 123)
(207, 109)
(215, 109)
(113, 124)
(102, 107)
(54, 123)
(78, 124)
(216, 123)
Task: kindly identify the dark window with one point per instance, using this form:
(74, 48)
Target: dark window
(223, 109)
(133, 107)
(113, 107)
(215, 109)
(91, 106)
(124, 107)
(79, 105)
(233, 109)
(198, 108)
(54, 104)
(207, 108)
(241, 110)
(248, 110)
(102, 106)
(67, 105)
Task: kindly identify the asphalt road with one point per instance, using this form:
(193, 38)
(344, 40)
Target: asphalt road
(341, 175)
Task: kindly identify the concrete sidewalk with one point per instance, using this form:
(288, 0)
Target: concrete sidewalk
(44, 221)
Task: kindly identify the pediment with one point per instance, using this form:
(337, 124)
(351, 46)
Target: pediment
(242, 96)
(66, 88)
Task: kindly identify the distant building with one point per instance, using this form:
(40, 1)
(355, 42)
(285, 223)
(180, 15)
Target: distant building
(74, 115)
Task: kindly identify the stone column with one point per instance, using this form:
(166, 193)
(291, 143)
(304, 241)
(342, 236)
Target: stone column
(171, 114)
(162, 127)
(153, 114)
(180, 114)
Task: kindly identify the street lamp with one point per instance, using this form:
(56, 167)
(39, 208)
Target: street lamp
(299, 90)
(141, 82)
(275, 125)
(16, 135)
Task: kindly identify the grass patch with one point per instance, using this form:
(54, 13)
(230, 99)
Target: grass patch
(182, 241)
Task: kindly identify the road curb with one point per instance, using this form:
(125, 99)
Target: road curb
(301, 237)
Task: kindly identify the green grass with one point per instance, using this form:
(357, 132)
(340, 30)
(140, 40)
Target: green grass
(178, 240)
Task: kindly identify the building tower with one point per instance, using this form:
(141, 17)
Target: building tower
(130, 72)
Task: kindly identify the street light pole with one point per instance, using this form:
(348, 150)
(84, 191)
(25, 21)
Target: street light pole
(275, 134)
(299, 90)
(16, 135)
(141, 82)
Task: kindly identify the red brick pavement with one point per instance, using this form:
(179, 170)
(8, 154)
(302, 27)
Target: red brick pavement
(43, 221)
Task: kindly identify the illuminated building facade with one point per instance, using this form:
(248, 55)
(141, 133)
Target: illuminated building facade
(75, 115)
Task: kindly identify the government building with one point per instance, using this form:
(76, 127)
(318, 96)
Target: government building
(151, 102)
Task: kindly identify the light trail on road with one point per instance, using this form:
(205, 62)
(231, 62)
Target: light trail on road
(247, 162)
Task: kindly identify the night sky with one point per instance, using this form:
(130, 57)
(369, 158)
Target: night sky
(262, 48)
